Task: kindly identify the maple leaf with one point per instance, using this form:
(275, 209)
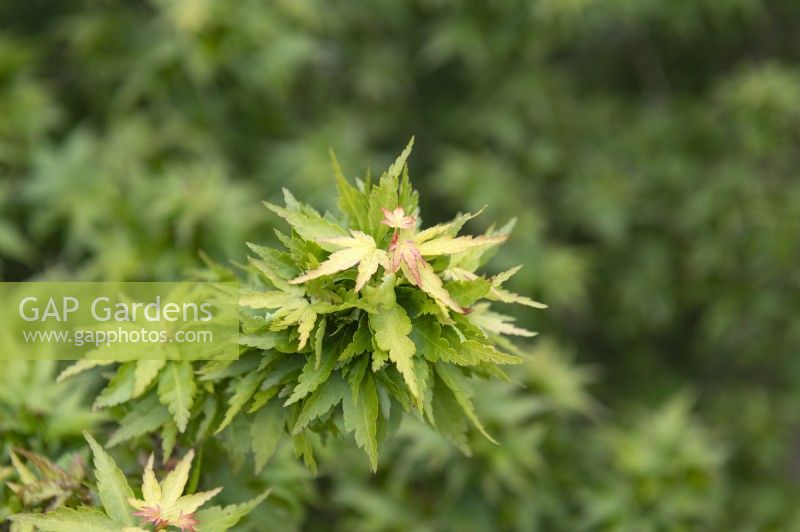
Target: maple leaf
(163, 504)
(378, 227)
(499, 293)
(398, 219)
(392, 326)
(448, 245)
(292, 309)
(406, 256)
(496, 292)
(409, 254)
(496, 323)
(299, 312)
(432, 285)
(450, 228)
(360, 249)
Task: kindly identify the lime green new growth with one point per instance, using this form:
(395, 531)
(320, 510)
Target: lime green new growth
(387, 315)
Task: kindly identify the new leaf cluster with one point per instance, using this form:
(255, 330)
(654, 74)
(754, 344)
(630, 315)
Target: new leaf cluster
(366, 313)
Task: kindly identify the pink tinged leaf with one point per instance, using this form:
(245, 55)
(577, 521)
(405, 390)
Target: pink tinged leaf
(396, 255)
(407, 254)
(149, 513)
(398, 219)
(186, 523)
(153, 515)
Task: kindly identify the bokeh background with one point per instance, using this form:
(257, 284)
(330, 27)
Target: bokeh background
(648, 148)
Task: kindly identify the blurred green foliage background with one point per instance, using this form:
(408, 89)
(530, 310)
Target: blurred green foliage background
(648, 148)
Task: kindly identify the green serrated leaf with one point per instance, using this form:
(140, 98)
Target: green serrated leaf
(397, 166)
(352, 202)
(146, 417)
(145, 373)
(273, 299)
(357, 371)
(277, 263)
(466, 293)
(80, 366)
(450, 421)
(305, 324)
(312, 376)
(261, 397)
(319, 338)
(217, 519)
(392, 326)
(425, 400)
(361, 342)
(475, 350)
(408, 197)
(310, 226)
(322, 400)
(266, 431)
(361, 417)
(383, 196)
(243, 390)
(176, 390)
(258, 341)
(119, 388)
(303, 447)
(112, 486)
(379, 357)
(69, 520)
(427, 336)
(454, 381)
(267, 268)
(169, 436)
